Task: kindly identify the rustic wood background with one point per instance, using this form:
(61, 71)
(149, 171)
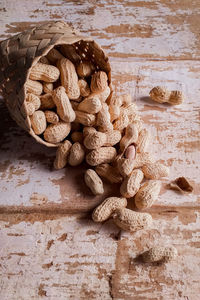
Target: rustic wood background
(50, 248)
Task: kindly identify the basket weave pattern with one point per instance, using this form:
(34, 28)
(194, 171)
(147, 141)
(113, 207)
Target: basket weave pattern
(19, 53)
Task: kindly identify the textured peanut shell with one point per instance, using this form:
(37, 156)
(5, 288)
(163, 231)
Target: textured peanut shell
(62, 154)
(88, 130)
(114, 111)
(160, 94)
(63, 105)
(130, 152)
(47, 87)
(29, 108)
(85, 118)
(125, 166)
(101, 155)
(84, 69)
(94, 182)
(34, 99)
(90, 105)
(160, 254)
(112, 137)
(108, 172)
(155, 170)
(147, 194)
(55, 133)
(76, 155)
(142, 159)
(115, 100)
(84, 88)
(107, 208)
(95, 140)
(122, 122)
(176, 98)
(44, 72)
(103, 119)
(38, 122)
(130, 137)
(99, 81)
(33, 86)
(143, 140)
(131, 185)
(103, 95)
(51, 117)
(131, 220)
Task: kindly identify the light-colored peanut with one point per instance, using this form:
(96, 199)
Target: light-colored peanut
(62, 154)
(107, 208)
(51, 117)
(160, 94)
(142, 159)
(160, 254)
(94, 182)
(176, 98)
(131, 220)
(125, 166)
(47, 101)
(130, 137)
(112, 137)
(84, 69)
(56, 133)
(44, 72)
(84, 88)
(76, 155)
(122, 122)
(85, 118)
(34, 99)
(69, 78)
(98, 139)
(143, 140)
(88, 130)
(74, 105)
(29, 108)
(103, 119)
(130, 152)
(48, 87)
(64, 108)
(115, 100)
(126, 99)
(99, 81)
(90, 105)
(109, 173)
(114, 111)
(77, 136)
(34, 87)
(155, 170)
(54, 55)
(103, 95)
(131, 185)
(38, 122)
(101, 156)
(147, 194)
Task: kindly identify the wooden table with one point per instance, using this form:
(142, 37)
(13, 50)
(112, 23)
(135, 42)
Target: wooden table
(50, 248)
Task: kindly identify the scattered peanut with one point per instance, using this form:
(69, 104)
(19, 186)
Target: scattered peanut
(160, 254)
(109, 173)
(62, 154)
(147, 194)
(101, 156)
(155, 170)
(94, 182)
(55, 133)
(64, 108)
(176, 98)
(90, 105)
(76, 155)
(131, 185)
(162, 95)
(44, 72)
(107, 208)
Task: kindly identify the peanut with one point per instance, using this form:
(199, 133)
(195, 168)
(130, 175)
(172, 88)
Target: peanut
(125, 166)
(69, 78)
(147, 194)
(85, 118)
(64, 108)
(109, 173)
(155, 170)
(62, 154)
(51, 117)
(112, 137)
(38, 122)
(84, 88)
(55, 133)
(99, 139)
(131, 220)
(54, 55)
(107, 208)
(160, 254)
(84, 69)
(99, 82)
(74, 105)
(115, 101)
(35, 100)
(76, 155)
(94, 182)
(130, 137)
(131, 185)
(47, 101)
(121, 122)
(48, 87)
(142, 159)
(130, 152)
(176, 98)
(34, 87)
(103, 119)
(90, 105)
(114, 111)
(103, 95)
(88, 130)
(29, 108)
(129, 109)
(77, 136)
(44, 72)
(143, 140)
(160, 94)
(101, 156)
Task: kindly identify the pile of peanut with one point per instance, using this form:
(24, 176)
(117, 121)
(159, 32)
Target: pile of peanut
(72, 105)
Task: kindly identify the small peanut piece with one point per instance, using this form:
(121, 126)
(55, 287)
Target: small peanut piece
(90, 105)
(99, 82)
(94, 182)
(109, 173)
(160, 254)
(55, 133)
(38, 122)
(131, 220)
(155, 170)
(34, 87)
(69, 78)
(130, 137)
(147, 194)
(101, 155)
(44, 72)
(62, 154)
(131, 185)
(161, 94)
(107, 208)
(64, 108)
(76, 155)
(51, 117)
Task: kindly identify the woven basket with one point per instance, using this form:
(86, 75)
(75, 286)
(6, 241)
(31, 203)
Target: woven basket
(19, 53)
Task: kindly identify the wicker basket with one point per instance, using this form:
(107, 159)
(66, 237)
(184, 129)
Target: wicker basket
(19, 53)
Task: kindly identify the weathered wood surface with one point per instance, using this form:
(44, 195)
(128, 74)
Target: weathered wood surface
(47, 253)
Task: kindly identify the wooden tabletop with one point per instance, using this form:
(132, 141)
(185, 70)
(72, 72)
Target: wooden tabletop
(50, 247)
